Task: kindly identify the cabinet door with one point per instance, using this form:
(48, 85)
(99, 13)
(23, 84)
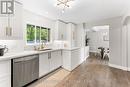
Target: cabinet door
(5, 73)
(55, 60)
(3, 25)
(60, 31)
(86, 52)
(75, 58)
(16, 22)
(73, 35)
(43, 64)
(59, 59)
(13, 22)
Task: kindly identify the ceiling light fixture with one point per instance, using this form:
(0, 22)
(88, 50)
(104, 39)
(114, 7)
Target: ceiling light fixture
(64, 4)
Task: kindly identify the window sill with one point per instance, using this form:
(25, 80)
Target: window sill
(33, 44)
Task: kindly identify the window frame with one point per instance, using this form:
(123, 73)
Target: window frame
(35, 39)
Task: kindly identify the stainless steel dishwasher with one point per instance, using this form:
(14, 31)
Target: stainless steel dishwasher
(25, 70)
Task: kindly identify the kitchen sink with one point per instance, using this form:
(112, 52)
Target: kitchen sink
(44, 49)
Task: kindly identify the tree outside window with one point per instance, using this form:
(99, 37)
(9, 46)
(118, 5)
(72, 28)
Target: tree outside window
(30, 33)
(37, 34)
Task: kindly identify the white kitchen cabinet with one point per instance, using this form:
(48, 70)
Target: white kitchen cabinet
(49, 61)
(5, 73)
(75, 58)
(43, 64)
(71, 58)
(71, 35)
(13, 23)
(55, 60)
(60, 31)
(86, 52)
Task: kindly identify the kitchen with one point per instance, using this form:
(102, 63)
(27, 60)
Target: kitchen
(59, 51)
(34, 43)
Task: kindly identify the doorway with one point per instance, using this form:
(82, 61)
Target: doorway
(99, 41)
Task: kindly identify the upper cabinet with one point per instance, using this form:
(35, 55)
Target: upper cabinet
(11, 26)
(71, 35)
(60, 30)
(66, 32)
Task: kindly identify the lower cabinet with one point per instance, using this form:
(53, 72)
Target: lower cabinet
(49, 61)
(75, 58)
(86, 52)
(71, 59)
(5, 73)
(55, 60)
(43, 64)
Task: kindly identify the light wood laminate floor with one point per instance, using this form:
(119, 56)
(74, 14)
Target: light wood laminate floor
(95, 73)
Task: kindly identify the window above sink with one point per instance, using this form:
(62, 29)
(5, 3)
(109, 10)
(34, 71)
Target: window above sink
(36, 34)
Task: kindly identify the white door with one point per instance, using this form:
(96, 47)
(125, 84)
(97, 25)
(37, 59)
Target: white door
(43, 64)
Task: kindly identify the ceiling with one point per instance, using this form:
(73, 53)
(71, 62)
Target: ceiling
(81, 11)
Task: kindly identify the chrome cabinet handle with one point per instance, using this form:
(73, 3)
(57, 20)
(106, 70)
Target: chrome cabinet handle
(49, 55)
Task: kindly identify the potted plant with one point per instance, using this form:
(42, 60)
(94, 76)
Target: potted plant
(86, 40)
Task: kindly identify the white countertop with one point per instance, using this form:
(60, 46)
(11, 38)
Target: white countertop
(13, 55)
(70, 49)
(9, 56)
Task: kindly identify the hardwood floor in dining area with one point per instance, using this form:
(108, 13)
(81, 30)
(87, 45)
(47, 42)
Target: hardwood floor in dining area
(95, 72)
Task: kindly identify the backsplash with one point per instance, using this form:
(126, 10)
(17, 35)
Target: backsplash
(19, 45)
(13, 45)
(31, 47)
(57, 44)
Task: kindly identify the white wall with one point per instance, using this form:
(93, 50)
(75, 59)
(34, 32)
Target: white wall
(114, 39)
(125, 43)
(97, 40)
(29, 18)
(13, 45)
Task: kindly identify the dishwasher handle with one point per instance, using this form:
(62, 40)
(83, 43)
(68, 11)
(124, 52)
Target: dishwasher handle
(30, 57)
(25, 58)
(18, 60)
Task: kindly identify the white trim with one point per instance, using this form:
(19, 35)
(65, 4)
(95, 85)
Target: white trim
(128, 69)
(119, 67)
(87, 57)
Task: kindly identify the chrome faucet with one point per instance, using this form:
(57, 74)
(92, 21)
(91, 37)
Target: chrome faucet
(41, 45)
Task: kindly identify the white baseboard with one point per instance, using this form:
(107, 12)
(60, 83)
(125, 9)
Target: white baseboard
(119, 67)
(87, 57)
